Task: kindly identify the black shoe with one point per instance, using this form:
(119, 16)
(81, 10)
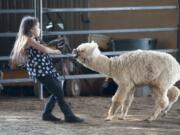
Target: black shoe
(50, 117)
(73, 119)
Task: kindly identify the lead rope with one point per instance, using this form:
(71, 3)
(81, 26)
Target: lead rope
(69, 49)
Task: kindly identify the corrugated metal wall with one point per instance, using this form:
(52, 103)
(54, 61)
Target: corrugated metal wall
(10, 22)
(137, 19)
(74, 21)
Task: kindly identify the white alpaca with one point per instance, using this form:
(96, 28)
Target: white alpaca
(158, 70)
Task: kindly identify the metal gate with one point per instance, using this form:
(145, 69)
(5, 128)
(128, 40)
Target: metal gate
(39, 10)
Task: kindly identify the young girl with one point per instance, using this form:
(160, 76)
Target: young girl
(39, 65)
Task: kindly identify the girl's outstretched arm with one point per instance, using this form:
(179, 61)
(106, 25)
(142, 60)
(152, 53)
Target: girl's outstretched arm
(40, 47)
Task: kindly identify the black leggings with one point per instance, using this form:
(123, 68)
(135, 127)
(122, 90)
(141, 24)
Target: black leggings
(54, 87)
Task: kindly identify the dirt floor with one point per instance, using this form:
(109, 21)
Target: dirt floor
(21, 116)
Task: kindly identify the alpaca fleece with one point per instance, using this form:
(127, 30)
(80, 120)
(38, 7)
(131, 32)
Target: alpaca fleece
(157, 69)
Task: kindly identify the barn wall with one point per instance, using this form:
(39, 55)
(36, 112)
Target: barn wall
(137, 19)
(108, 20)
(10, 22)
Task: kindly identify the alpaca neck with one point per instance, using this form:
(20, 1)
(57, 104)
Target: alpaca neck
(101, 63)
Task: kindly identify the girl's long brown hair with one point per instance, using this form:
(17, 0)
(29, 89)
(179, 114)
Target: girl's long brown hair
(18, 55)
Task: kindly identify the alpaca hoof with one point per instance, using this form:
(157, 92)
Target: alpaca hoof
(164, 115)
(109, 118)
(121, 118)
(149, 119)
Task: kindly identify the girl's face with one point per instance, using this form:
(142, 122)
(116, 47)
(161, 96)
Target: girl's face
(36, 30)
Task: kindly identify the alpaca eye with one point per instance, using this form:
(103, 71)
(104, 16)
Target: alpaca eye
(81, 51)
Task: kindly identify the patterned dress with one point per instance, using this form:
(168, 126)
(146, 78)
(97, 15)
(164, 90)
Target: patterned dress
(39, 64)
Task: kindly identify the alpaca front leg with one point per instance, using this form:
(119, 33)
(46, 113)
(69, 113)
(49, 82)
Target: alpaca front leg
(173, 95)
(164, 113)
(127, 104)
(117, 102)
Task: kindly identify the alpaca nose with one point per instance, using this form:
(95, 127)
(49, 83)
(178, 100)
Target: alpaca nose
(75, 53)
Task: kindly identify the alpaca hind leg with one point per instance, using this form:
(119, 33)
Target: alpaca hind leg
(161, 102)
(173, 95)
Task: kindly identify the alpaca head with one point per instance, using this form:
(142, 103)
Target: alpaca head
(85, 52)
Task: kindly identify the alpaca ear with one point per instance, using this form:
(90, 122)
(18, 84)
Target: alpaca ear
(94, 44)
(92, 41)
